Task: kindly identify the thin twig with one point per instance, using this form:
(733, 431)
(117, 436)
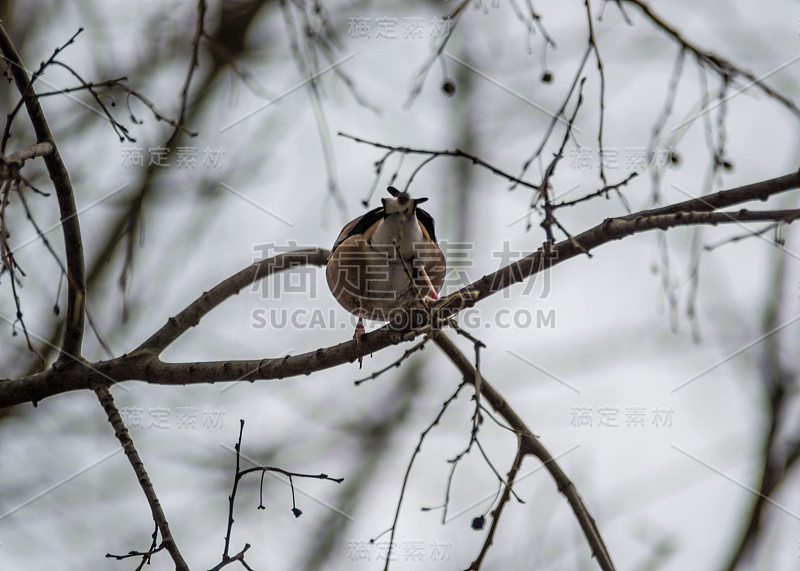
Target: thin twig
(417, 450)
(226, 558)
(557, 117)
(145, 555)
(193, 65)
(34, 77)
(544, 194)
(598, 193)
(601, 72)
(453, 19)
(720, 65)
(458, 153)
(661, 121)
(396, 364)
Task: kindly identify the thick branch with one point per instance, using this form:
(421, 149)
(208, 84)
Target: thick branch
(725, 198)
(191, 316)
(76, 292)
(617, 228)
(143, 364)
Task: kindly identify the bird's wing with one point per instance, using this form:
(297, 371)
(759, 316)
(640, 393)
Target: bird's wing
(358, 225)
(427, 223)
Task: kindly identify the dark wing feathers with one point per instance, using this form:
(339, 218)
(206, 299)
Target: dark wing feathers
(359, 225)
(427, 223)
(365, 222)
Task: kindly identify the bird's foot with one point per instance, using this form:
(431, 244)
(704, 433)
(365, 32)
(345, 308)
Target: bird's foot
(357, 336)
(431, 295)
(359, 330)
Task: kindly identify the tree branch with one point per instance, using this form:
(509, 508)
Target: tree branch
(37, 150)
(723, 67)
(143, 364)
(190, 317)
(528, 444)
(121, 432)
(457, 153)
(76, 279)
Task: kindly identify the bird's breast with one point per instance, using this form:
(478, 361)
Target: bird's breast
(398, 233)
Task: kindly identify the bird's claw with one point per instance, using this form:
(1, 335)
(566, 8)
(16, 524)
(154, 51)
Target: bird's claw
(357, 336)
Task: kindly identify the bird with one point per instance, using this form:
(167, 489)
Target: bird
(386, 260)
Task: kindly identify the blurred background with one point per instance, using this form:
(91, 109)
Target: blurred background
(661, 372)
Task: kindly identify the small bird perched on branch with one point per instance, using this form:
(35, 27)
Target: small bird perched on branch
(388, 259)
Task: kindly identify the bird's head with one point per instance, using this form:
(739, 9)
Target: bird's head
(400, 203)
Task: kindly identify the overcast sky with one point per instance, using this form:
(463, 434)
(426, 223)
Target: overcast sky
(657, 417)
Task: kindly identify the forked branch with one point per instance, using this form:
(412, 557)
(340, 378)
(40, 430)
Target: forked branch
(529, 444)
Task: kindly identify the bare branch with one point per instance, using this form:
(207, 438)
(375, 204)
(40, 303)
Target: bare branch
(598, 193)
(76, 279)
(549, 220)
(226, 558)
(143, 364)
(12, 115)
(557, 117)
(601, 72)
(414, 455)
(528, 444)
(121, 432)
(419, 79)
(145, 555)
(443, 153)
(190, 317)
(722, 66)
(396, 364)
(193, 64)
(38, 150)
